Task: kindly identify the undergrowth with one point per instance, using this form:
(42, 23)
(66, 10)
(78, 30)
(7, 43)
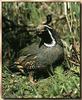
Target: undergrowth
(65, 83)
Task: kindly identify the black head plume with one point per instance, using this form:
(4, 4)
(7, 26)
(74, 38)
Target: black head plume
(48, 18)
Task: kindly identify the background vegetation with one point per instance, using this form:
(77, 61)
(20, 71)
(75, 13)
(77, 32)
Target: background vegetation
(19, 20)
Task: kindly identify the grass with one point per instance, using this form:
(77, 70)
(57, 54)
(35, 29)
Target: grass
(63, 84)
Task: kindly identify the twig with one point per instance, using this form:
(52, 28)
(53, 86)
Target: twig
(65, 11)
(75, 63)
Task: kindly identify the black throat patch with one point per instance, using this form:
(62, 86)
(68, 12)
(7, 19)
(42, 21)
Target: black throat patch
(47, 38)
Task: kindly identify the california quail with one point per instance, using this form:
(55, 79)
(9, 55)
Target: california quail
(44, 55)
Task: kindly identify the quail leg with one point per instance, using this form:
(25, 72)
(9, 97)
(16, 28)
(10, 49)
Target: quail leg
(50, 71)
(31, 77)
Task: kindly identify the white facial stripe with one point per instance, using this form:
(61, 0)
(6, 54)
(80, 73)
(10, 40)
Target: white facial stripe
(53, 40)
(50, 45)
(50, 34)
(47, 26)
